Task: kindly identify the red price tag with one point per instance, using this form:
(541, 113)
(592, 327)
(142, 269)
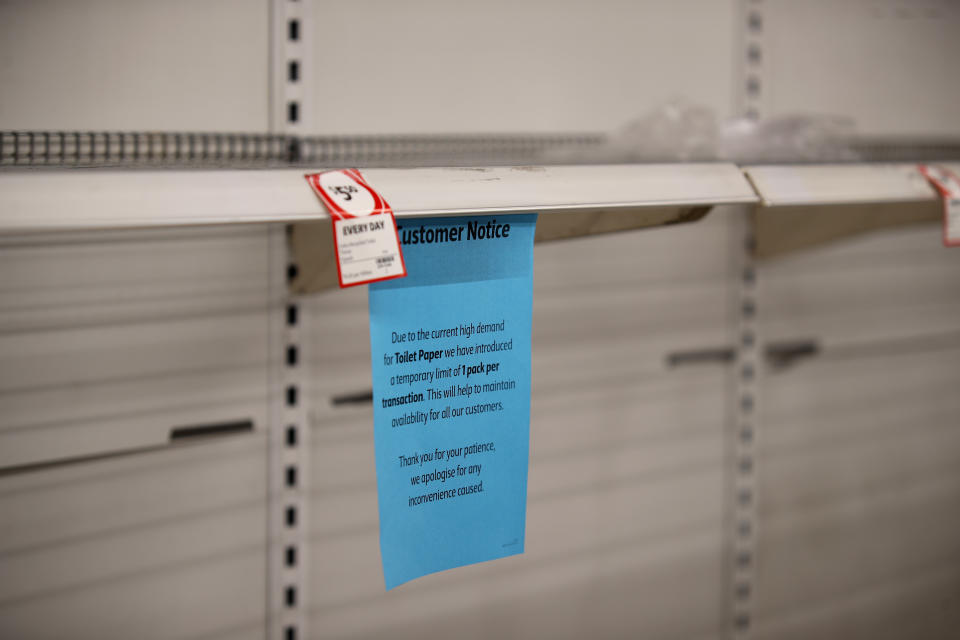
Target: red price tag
(364, 229)
(948, 184)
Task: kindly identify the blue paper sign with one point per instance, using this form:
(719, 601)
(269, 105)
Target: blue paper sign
(450, 346)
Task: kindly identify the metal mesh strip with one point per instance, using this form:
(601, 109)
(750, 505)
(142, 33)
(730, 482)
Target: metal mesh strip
(154, 149)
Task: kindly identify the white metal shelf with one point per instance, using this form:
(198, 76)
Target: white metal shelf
(828, 184)
(802, 206)
(98, 199)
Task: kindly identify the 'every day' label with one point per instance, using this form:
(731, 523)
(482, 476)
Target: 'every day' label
(364, 229)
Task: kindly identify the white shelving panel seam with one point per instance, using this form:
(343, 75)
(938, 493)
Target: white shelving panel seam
(743, 433)
(289, 468)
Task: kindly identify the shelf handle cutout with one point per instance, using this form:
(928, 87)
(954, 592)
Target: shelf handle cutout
(786, 353)
(707, 355)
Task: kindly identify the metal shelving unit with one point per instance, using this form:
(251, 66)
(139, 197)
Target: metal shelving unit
(742, 426)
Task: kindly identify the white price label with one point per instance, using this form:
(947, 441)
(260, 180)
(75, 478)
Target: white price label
(368, 250)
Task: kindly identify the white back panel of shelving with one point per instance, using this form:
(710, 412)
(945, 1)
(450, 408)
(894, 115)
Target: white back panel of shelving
(108, 341)
(429, 66)
(134, 65)
(860, 458)
(891, 65)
